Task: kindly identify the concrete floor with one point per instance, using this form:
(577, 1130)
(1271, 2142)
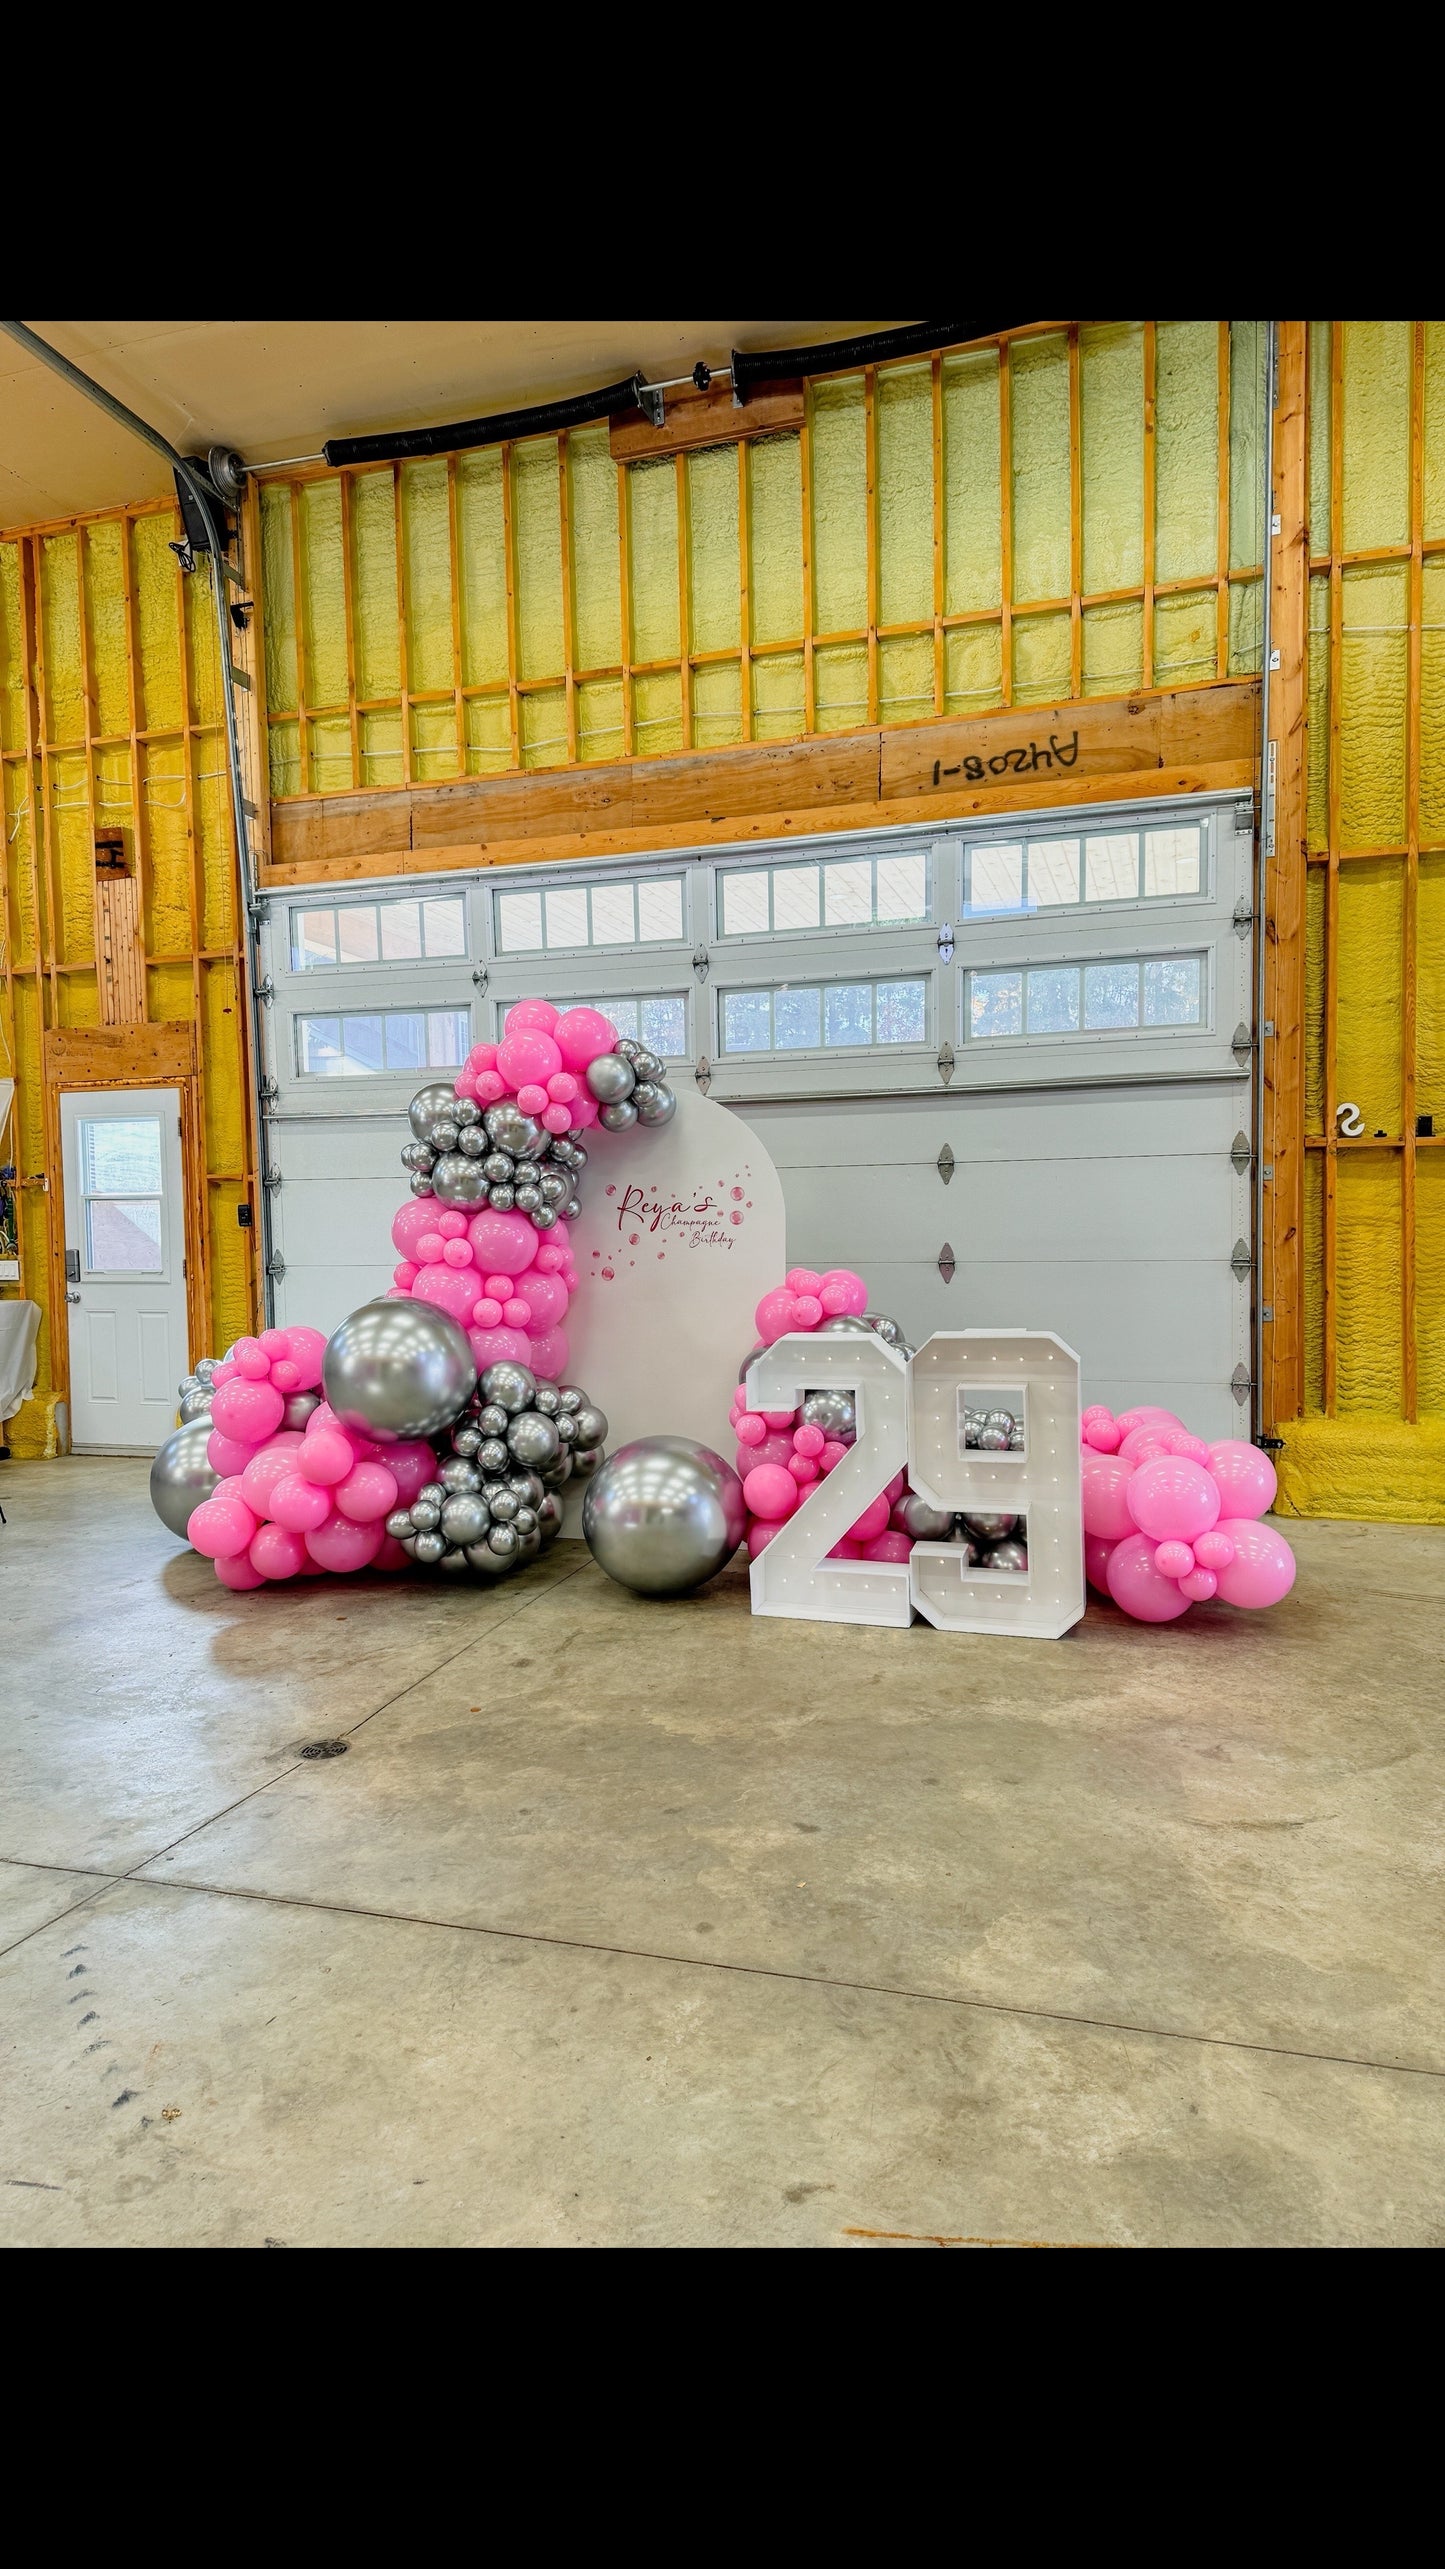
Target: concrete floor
(642, 1925)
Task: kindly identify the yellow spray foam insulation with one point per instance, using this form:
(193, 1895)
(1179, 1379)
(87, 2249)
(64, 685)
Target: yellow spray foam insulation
(72, 842)
(778, 696)
(482, 568)
(1430, 992)
(1314, 1013)
(972, 518)
(488, 734)
(376, 632)
(156, 592)
(596, 593)
(1430, 1284)
(1039, 370)
(1379, 1469)
(1369, 1328)
(21, 867)
(426, 558)
(1042, 659)
(203, 667)
(775, 567)
(905, 679)
(840, 505)
(323, 591)
(1319, 362)
(1432, 703)
(840, 685)
(1246, 637)
(1111, 417)
(380, 739)
(214, 846)
(167, 922)
(599, 716)
(283, 751)
(278, 572)
(1185, 649)
(657, 713)
(652, 562)
(1317, 802)
(972, 668)
(717, 705)
(1186, 450)
(537, 520)
(1368, 1066)
(1113, 648)
(222, 1038)
(904, 399)
(230, 1254)
(1375, 427)
(544, 728)
(1374, 668)
(1314, 1260)
(713, 566)
(12, 651)
(1246, 443)
(170, 993)
(1433, 494)
(105, 567)
(60, 647)
(331, 753)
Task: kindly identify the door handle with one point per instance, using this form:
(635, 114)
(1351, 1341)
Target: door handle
(72, 1297)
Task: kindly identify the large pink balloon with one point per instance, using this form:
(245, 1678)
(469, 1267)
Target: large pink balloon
(547, 1355)
(248, 1411)
(1247, 1478)
(1106, 1510)
(776, 1314)
(412, 1223)
(769, 1449)
(326, 1455)
(220, 1526)
(1173, 1499)
(528, 1012)
(503, 1244)
(1096, 1562)
(491, 1346)
(449, 1289)
(367, 1493)
(227, 1454)
(341, 1545)
(527, 1056)
(580, 1034)
(411, 1466)
(298, 1504)
(277, 1553)
(306, 1348)
(770, 1491)
(1263, 1567)
(1136, 1585)
(268, 1465)
(872, 1522)
(1142, 1443)
(548, 1297)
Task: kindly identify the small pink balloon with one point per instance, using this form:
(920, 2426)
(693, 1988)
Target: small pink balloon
(548, 1354)
(802, 1280)
(753, 1427)
(267, 1466)
(286, 1376)
(558, 1119)
(551, 1258)
(466, 1082)
(219, 1526)
(803, 1469)
(531, 1012)
(411, 1466)
(248, 1411)
(236, 1572)
(226, 1454)
(807, 1311)
(526, 1056)
(486, 1314)
(449, 1289)
(490, 1086)
(457, 1253)
(429, 1248)
(1198, 1585)
(776, 1449)
(298, 1504)
(580, 1034)
(548, 1298)
(502, 1243)
(223, 1373)
(773, 1317)
(532, 1099)
(411, 1224)
(368, 1492)
(1172, 1497)
(842, 1294)
(1136, 1585)
(888, 1547)
(769, 1490)
(584, 1112)
(482, 1057)
(307, 1350)
(1177, 1440)
(873, 1521)
(1246, 1477)
(895, 1488)
(775, 1420)
(1173, 1560)
(806, 1440)
(1145, 1414)
(276, 1342)
(1096, 1562)
(251, 1360)
(1214, 1550)
(404, 1274)
(451, 1224)
(323, 1415)
(1263, 1568)
(832, 1455)
(561, 1088)
(277, 1552)
(1096, 1409)
(325, 1456)
(492, 1346)
(342, 1545)
(1142, 1444)
(1105, 1479)
(516, 1312)
(389, 1555)
(1101, 1436)
(500, 1287)
(761, 1533)
(230, 1487)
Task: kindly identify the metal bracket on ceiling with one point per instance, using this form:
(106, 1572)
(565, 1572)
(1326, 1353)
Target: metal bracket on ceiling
(946, 1263)
(946, 1063)
(945, 1164)
(649, 402)
(703, 1074)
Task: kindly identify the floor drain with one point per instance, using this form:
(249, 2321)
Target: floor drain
(326, 1748)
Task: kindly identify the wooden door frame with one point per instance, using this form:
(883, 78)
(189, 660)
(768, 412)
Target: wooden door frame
(98, 1057)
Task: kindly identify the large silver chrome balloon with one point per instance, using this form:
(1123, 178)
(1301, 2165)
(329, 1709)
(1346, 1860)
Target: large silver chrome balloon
(1008, 1555)
(926, 1524)
(515, 1132)
(398, 1369)
(990, 1527)
(835, 1412)
(429, 1106)
(181, 1476)
(458, 1180)
(845, 1324)
(196, 1404)
(663, 1515)
(611, 1079)
(751, 1358)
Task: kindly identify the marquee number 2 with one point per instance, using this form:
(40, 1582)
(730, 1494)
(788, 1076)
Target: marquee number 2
(792, 1574)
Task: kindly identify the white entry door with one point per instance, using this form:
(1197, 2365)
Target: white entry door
(125, 1287)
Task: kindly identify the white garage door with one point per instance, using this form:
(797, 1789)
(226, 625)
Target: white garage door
(1004, 1071)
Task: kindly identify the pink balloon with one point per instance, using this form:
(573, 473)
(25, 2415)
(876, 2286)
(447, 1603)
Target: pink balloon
(227, 1453)
(802, 1467)
(341, 1545)
(774, 1315)
(841, 1293)
(1247, 1478)
(1145, 1414)
(266, 1467)
(558, 1119)
(832, 1455)
(486, 1313)
(1101, 1435)
(1096, 1562)
(533, 1099)
(1213, 1551)
(580, 1034)
(502, 1243)
(490, 1346)
(768, 1489)
(548, 1355)
(873, 1521)
(1143, 1443)
(410, 1226)
(773, 1449)
(490, 1086)
(548, 1298)
(276, 1342)
(806, 1440)
(527, 1055)
(531, 1012)
(1263, 1568)
(229, 1488)
(390, 1555)
(888, 1547)
(251, 1360)
(298, 1504)
(483, 1056)
(411, 1466)
(323, 1415)
(561, 1087)
(1172, 1497)
(847, 1550)
(1096, 1409)
(449, 1289)
(584, 1111)
(368, 1492)
(220, 1526)
(807, 1311)
(896, 1487)
(498, 1288)
(1177, 1440)
(430, 1246)
(277, 1553)
(306, 1350)
(458, 1253)
(326, 1455)
(752, 1428)
(761, 1533)
(516, 1311)
(466, 1082)
(1136, 1585)
(235, 1571)
(1198, 1585)
(552, 1259)
(1105, 1478)
(802, 1280)
(285, 1375)
(1173, 1560)
(776, 1420)
(248, 1411)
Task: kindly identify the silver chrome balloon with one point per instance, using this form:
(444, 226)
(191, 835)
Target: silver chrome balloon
(430, 1547)
(502, 1504)
(569, 1398)
(205, 1367)
(499, 1168)
(750, 1358)
(399, 1524)
(549, 1517)
(586, 1460)
(526, 1488)
(492, 1457)
(993, 1440)
(1007, 1555)
(429, 1106)
(611, 1078)
(181, 1476)
(988, 1528)
(480, 1556)
(509, 1385)
(513, 1131)
(454, 1562)
(398, 1369)
(663, 1515)
(647, 1066)
(845, 1324)
(492, 1418)
(465, 1441)
(466, 1111)
(459, 1474)
(972, 1552)
(458, 1181)
(629, 1047)
(658, 1106)
(534, 1439)
(1001, 1418)
(503, 1541)
(591, 1425)
(926, 1524)
(299, 1407)
(420, 1182)
(835, 1412)
(472, 1142)
(502, 1199)
(547, 1399)
(426, 1515)
(444, 1135)
(568, 1432)
(465, 1518)
(197, 1404)
(616, 1118)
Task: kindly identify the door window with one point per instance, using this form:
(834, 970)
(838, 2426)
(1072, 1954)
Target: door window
(121, 1189)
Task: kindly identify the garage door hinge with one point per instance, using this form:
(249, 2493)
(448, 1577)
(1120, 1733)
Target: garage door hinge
(276, 1267)
(266, 991)
(1240, 1384)
(268, 1092)
(946, 1063)
(703, 1074)
(700, 963)
(945, 1164)
(480, 978)
(1240, 1154)
(1241, 1260)
(271, 1180)
(1243, 916)
(945, 942)
(946, 1267)
(1241, 1043)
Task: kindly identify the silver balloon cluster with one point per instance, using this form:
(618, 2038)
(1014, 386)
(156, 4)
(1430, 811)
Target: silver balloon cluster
(198, 1391)
(993, 1431)
(470, 1156)
(629, 1087)
(495, 1501)
(991, 1540)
